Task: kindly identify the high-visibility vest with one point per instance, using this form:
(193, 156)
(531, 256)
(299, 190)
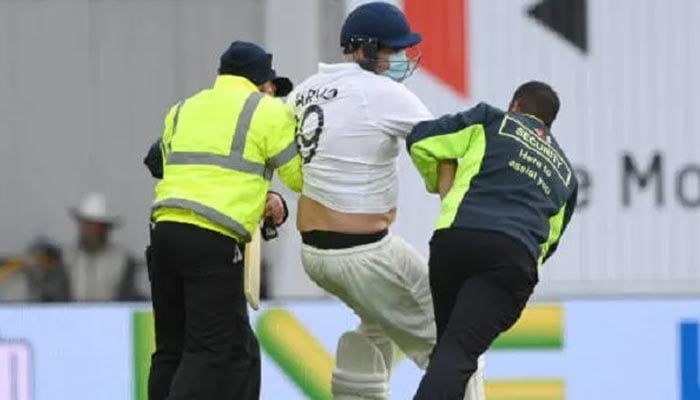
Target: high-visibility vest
(220, 148)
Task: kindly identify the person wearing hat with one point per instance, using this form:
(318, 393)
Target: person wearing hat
(220, 148)
(352, 118)
(93, 269)
(97, 268)
(275, 205)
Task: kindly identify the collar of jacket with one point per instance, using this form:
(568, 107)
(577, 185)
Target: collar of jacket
(533, 117)
(234, 82)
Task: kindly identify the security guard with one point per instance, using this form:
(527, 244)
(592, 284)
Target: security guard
(220, 148)
(512, 194)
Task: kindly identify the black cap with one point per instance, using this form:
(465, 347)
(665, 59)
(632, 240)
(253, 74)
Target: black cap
(252, 62)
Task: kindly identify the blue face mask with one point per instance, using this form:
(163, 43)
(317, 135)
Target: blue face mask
(399, 66)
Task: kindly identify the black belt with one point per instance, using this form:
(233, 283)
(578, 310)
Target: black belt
(327, 240)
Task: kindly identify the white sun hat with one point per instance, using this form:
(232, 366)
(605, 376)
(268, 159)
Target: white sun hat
(93, 208)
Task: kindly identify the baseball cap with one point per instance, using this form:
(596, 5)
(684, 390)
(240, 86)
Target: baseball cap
(252, 62)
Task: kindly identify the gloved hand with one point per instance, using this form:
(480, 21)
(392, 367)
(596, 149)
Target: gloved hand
(154, 160)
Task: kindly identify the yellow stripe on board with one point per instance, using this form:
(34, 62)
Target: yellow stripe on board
(294, 349)
(525, 390)
(540, 326)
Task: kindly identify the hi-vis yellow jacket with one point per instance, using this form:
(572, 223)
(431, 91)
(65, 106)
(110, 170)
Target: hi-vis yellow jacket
(220, 148)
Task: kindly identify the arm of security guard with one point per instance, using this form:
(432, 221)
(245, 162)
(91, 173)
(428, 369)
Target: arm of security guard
(156, 156)
(447, 170)
(281, 149)
(431, 143)
(568, 211)
(158, 153)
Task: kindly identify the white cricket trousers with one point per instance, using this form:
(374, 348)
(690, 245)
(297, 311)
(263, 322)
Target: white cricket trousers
(386, 284)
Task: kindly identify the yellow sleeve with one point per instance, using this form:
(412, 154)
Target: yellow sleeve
(427, 153)
(446, 138)
(169, 124)
(281, 152)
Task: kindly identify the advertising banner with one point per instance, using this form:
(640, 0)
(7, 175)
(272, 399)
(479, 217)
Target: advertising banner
(15, 370)
(66, 352)
(298, 342)
(578, 350)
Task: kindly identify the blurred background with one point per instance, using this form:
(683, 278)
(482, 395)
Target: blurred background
(84, 88)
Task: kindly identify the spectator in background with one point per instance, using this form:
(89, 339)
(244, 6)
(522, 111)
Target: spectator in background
(47, 272)
(15, 285)
(98, 269)
(38, 275)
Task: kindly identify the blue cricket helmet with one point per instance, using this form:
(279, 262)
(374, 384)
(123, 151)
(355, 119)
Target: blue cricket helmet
(380, 21)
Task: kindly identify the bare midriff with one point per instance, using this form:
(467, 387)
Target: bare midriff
(314, 216)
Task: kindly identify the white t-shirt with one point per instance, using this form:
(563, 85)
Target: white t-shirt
(350, 125)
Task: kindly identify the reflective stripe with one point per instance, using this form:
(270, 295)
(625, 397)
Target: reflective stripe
(243, 126)
(228, 162)
(268, 173)
(234, 160)
(177, 115)
(206, 212)
(175, 119)
(284, 156)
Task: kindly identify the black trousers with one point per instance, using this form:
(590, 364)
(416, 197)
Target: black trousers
(205, 347)
(480, 282)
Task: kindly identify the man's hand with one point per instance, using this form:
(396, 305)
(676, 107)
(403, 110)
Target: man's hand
(275, 208)
(446, 176)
